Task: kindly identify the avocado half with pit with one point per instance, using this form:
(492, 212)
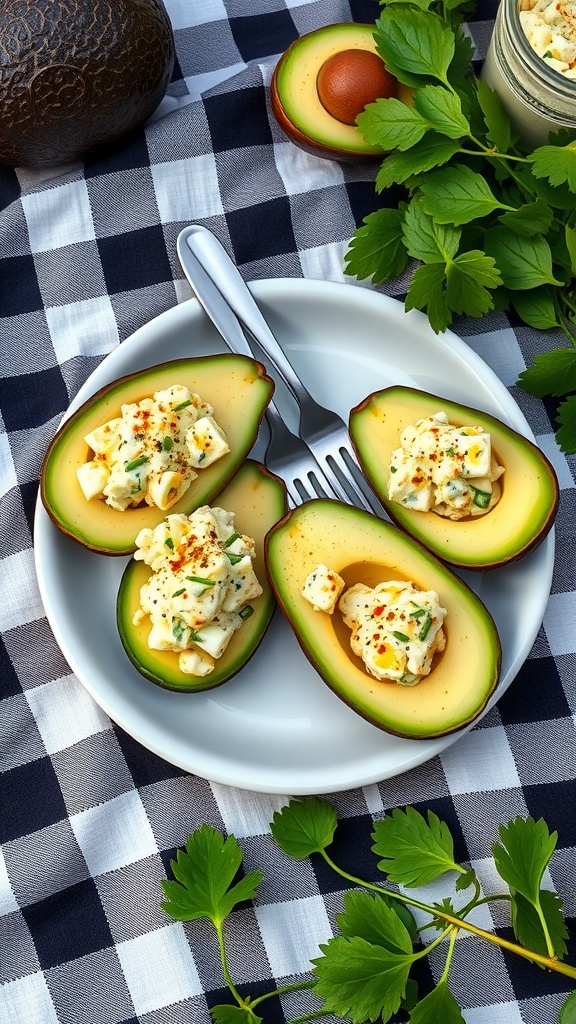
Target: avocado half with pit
(365, 549)
(513, 527)
(320, 85)
(258, 499)
(237, 387)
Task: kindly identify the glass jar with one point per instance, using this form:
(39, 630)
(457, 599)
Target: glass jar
(538, 99)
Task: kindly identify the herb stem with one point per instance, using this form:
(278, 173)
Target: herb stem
(548, 962)
(225, 969)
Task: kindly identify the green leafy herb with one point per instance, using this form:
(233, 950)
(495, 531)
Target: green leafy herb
(492, 223)
(201, 579)
(231, 539)
(246, 612)
(129, 466)
(363, 973)
(401, 636)
(168, 443)
(183, 405)
(234, 559)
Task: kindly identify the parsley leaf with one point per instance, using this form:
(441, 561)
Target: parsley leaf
(523, 262)
(553, 373)
(457, 195)
(205, 873)
(438, 1005)
(498, 126)
(536, 308)
(566, 435)
(432, 151)
(529, 219)
(391, 124)
(527, 926)
(360, 980)
(442, 110)
(556, 163)
(368, 916)
(568, 1011)
(426, 239)
(377, 249)
(227, 1013)
(427, 292)
(415, 850)
(304, 827)
(414, 44)
(468, 279)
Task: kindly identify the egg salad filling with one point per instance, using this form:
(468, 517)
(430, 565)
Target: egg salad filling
(322, 587)
(150, 453)
(200, 588)
(445, 469)
(550, 27)
(396, 629)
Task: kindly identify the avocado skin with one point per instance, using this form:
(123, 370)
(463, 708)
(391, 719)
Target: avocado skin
(75, 75)
(353, 543)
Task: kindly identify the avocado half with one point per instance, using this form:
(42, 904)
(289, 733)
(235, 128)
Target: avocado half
(237, 387)
(258, 499)
(357, 77)
(76, 75)
(365, 549)
(516, 525)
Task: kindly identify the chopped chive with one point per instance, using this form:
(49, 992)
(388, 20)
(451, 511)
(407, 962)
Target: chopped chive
(234, 559)
(128, 466)
(169, 543)
(393, 469)
(246, 612)
(425, 628)
(168, 443)
(401, 636)
(231, 539)
(450, 451)
(182, 405)
(201, 579)
(480, 498)
(418, 613)
(178, 592)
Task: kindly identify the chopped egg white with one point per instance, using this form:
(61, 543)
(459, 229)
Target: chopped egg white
(200, 588)
(396, 629)
(322, 588)
(445, 469)
(550, 27)
(150, 453)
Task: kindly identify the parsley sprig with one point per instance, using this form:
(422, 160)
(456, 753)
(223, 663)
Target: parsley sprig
(489, 223)
(364, 972)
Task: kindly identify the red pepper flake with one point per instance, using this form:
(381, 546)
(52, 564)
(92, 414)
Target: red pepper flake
(379, 610)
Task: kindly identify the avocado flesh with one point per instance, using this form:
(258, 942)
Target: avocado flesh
(294, 86)
(365, 549)
(259, 500)
(512, 528)
(239, 391)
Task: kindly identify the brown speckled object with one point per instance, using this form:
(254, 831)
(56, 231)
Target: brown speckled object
(75, 74)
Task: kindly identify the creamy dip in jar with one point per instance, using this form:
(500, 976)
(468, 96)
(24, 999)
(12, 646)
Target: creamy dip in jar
(538, 96)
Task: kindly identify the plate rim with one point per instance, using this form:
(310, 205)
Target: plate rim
(271, 289)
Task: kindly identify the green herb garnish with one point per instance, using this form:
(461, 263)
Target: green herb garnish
(401, 636)
(246, 612)
(129, 466)
(201, 579)
(182, 405)
(363, 973)
(169, 543)
(178, 592)
(491, 222)
(234, 559)
(425, 627)
(480, 498)
(231, 539)
(168, 443)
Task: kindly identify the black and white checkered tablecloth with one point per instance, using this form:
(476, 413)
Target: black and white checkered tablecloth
(89, 818)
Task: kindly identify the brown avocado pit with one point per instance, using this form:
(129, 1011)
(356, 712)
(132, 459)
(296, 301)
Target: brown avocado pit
(349, 80)
(77, 76)
(320, 85)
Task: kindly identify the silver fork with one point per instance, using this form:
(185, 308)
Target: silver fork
(286, 454)
(322, 430)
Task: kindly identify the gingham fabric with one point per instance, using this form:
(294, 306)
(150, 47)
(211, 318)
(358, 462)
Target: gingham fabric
(89, 819)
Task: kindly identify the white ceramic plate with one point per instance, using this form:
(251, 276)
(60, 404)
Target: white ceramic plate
(276, 727)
